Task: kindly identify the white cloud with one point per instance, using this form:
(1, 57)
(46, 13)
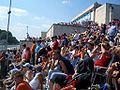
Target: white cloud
(66, 1)
(19, 12)
(15, 11)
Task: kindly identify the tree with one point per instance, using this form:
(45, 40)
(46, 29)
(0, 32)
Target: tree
(11, 40)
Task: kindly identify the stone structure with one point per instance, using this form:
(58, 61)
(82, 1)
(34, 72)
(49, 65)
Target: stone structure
(99, 13)
(58, 29)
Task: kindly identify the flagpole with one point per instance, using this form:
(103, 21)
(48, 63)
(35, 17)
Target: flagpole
(8, 24)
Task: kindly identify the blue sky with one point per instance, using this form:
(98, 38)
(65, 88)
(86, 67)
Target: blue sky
(39, 15)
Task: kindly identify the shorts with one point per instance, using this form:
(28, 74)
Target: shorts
(59, 78)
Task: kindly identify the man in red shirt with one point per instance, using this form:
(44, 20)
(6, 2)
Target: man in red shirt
(20, 83)
(55, 43)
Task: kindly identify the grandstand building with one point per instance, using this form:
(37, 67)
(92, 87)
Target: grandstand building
(99, 13)
(59, 29)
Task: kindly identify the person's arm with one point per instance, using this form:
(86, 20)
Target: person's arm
(54, 64)
(40, 77)
(64, 69)
(93, 52)
(103, 49)
(76, 54)
(45, 66)
(68, 88)
(82, 55)
(1, 58)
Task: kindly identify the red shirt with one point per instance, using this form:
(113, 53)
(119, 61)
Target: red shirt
(55, 45)
(27, 56)
(24, 86)
(103, 61)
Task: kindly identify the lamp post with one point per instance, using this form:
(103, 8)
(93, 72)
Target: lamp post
(8, 23)
(27, 32)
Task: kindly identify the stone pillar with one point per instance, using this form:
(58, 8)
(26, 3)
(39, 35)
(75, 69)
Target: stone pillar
(94, 14)
(110, 13)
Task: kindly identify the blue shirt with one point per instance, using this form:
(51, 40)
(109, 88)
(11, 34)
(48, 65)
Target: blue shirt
(37, 49)
(112, 31)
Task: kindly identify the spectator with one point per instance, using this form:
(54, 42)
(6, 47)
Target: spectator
(33, 52)
(27, 55)
(24, 50)
(37, 81)
(55, 43)
(27, 71)
(3, 65)
(112, 31)
(37, 50)
(20, 83)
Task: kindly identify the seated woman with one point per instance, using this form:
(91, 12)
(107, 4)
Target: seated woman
(60, 68)
(37, 82)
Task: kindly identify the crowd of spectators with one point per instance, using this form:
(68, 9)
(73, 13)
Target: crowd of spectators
(67, 62)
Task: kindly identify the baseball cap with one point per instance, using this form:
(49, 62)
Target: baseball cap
(13, 71)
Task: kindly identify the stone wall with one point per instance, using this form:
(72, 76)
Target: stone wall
(100, 16)
(60, 29)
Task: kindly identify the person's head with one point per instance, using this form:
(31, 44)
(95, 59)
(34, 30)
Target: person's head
(90, 46)
(113, 22)
(76, 48)
(12, 72)
(38, 42)
(24, 46)
(26, 67)
(38, 68)
(106, 45)
(54, 38)
(18, 77)
(44, 57)
(59, 37)
(56, 54)
(27, 49)
(33, 42)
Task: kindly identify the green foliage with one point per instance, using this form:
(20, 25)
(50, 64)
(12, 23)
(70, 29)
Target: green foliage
(11, 40)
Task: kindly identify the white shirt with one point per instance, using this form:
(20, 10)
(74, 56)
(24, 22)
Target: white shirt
(23, 53)
(34, 83)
